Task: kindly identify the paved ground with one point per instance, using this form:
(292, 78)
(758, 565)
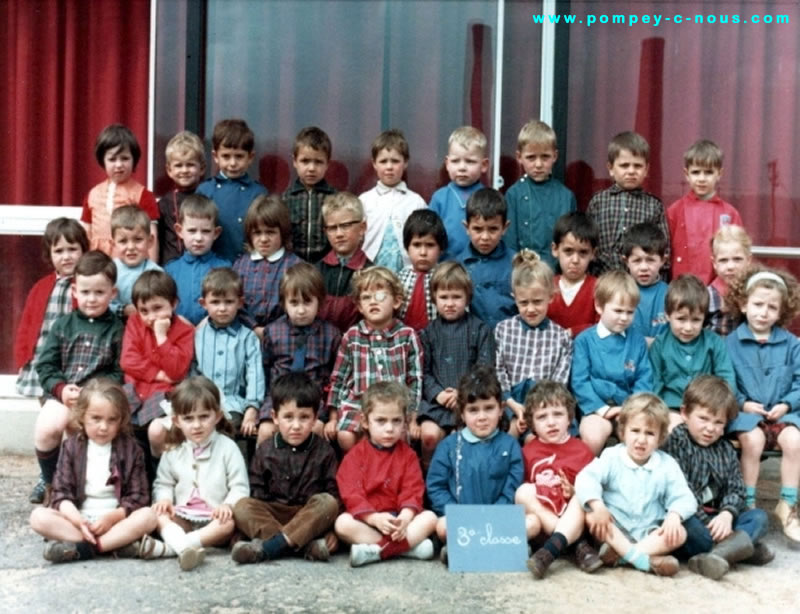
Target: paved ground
(29, 584)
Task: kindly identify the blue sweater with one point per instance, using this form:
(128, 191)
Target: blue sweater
(450, 203)
(188, 272)
(650, 317)
(467, 470)
(491, 281)
(607, 371)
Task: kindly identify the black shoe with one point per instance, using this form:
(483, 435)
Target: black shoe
(38, 493)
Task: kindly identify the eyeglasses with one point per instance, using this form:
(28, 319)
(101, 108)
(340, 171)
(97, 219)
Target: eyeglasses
(379, 296)
(344, 226)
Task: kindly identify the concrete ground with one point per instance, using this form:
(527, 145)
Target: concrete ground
(29, 584)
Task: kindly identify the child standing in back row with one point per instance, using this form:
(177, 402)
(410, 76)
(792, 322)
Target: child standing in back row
(731, 256)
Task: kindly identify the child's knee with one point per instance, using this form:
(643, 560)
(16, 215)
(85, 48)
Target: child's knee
(265, 430)
(789, 440)
(346, 440)
(525, 493)
(38, 519)
(431, 435)
(752, 441)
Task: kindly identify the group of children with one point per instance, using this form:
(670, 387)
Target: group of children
(319, 321)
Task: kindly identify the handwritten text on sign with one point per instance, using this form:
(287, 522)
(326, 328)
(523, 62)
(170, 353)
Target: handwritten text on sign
(489, 538)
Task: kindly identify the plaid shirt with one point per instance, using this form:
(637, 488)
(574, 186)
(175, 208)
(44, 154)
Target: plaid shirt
(408, 278)
(305, 211)
(713, 473)
(367, 356)
(281, 339)
(719, 319)
(292, 475)
(523, 352)
(80, 348)
(261, 279)
(231, 358)
(615, 210)
(451, 349)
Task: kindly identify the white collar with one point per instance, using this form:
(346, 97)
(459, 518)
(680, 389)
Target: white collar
(382, 188)
(255, 256)
(603, 332)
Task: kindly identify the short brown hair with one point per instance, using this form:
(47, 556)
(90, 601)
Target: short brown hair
(633, 142)
(112, 392)
(644, 403)
(116, 136)
(536, 132)
(547, 392)
(271, 212)
(221, 281)
(194, 391)
(615, 283)
(387, 391)
(303, 279)
(391, 140)
(186, 141)
(152, 284)
(451, 275)
(198, 206)
(713, 393)
(66, 227)
(315, 138)
(233, 133)
(96, 262)
(703, 153)
(378, 276)
(686, 291)
(130, 217)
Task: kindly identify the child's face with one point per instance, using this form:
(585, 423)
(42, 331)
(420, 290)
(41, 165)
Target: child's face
(641, 438)
(294, 423)
(385, 423)
(532, 303)
(222, 308)
(617, 314)
(118, 163)
(705, 426)
(232, 161)
(389, 166)
(155, 308)
(482, 416)
(762, 309)
(451, 303)
(551, 423)
(132, 244)
(93, 293)
(644, 267)
(424, 252)
(537, 160)
(377, 305)
(703, 180)
(301, 310)
(345, 232)
(64, 256)
(198, 425)
(574, 257)
(198, 234)
(311, 165)
(266, 240)
(628, 171)
(485, 233)
(729, 259)
(101, 420)
(685, 323)
(465, 166)
(185, 169)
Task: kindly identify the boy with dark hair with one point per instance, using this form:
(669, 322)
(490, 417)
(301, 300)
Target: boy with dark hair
(231, 188)
(625, 203)
(295, 499)
(310, 157)
(486, 257)
(644, 253)
(425, 239)
(723, 523)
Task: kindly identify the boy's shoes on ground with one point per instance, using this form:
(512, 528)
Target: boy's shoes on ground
(539, 563)
(363, 554)
(247, 552)
(664, 565)
(191, 558)
(60, 552)
(787, 514)
(608, 556)
(762, 554)
(422, 551)
(39, 492)
(586, 557)
(316, 550)
(131, 551)
(443, 554)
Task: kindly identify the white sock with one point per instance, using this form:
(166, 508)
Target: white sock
(193, 540)
(175, 537)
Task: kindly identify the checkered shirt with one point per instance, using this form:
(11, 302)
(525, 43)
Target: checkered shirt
(367, 356)
(261, 280)
(59, 303)
(718, 320)
(278, 347)
(615, 210)
(523, 352)
(408, 277)
(305, 211)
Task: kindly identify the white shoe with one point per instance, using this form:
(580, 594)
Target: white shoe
(191, 558)
(422, 551)
(789, 521)
(363, 554)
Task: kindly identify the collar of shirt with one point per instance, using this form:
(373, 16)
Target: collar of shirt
(498, 253)
(108, 315)
(322, 186)
(139, 268)
(464, 193)
(243, 179)
(356, 261)
(280, 443)
(231, 329)
(471, 437)
(255, 256)
(651, 464)
(776, 335)
(543, 325)
(526, 179)
(603, 332)
(381, 448)
(191, 258)
(616, 189)
(296, 331)
(388, 332)
(716, 200)
(202, 449)
(382, 188)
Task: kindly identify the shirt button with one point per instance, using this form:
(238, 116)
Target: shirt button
(679, 259)
(219, 185)
(219, 352)
(526, 198)
(87, 344)
(239, 220)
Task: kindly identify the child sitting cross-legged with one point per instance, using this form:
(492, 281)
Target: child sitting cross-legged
(294, 498)
(552, 460)
(723, 523)
(636, 496)
(381, 485)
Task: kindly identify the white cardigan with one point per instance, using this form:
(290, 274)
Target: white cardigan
(219, 473)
